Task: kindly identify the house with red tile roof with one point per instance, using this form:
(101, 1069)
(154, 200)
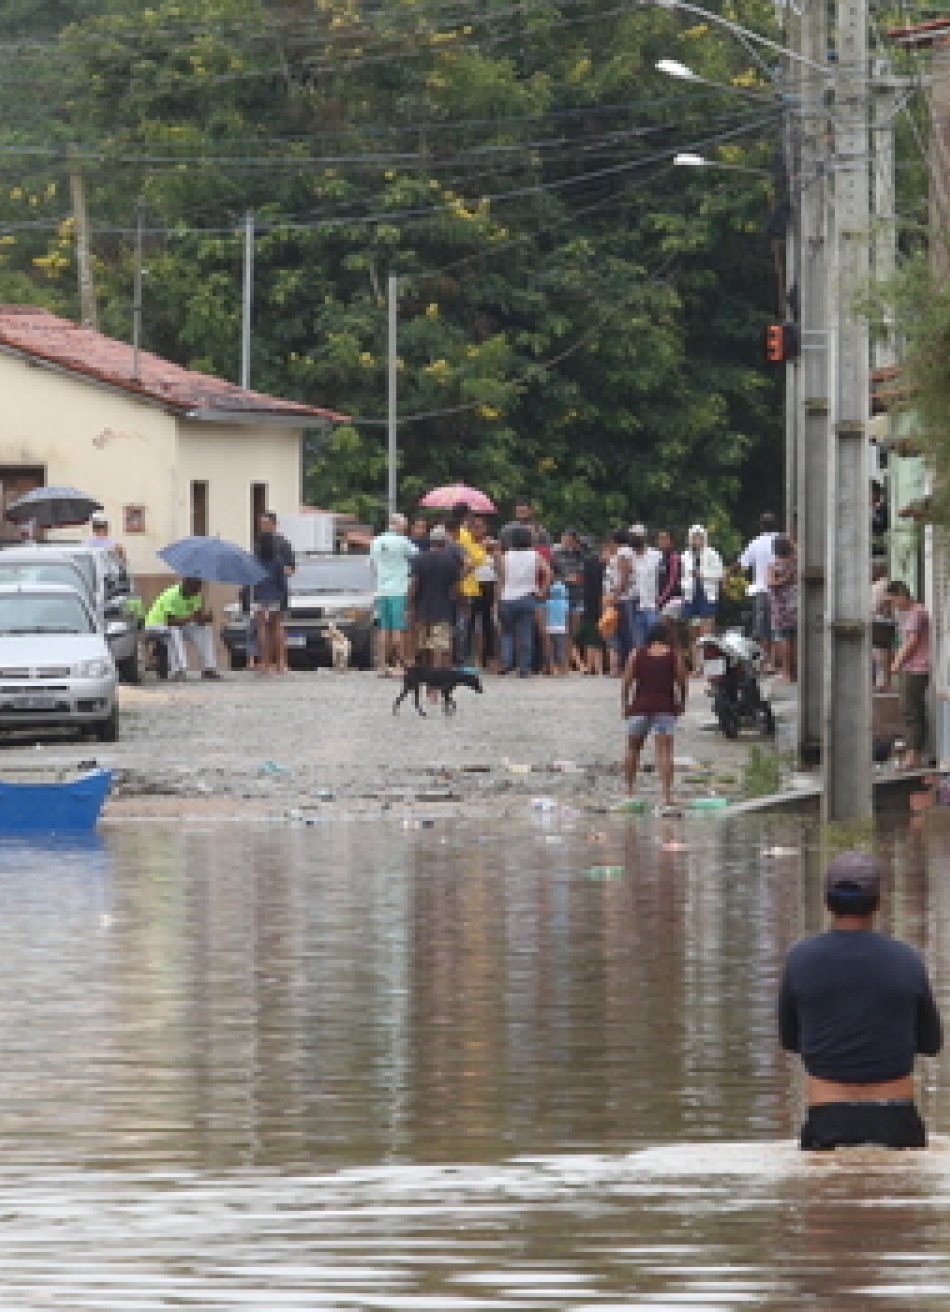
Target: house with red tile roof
(168, 451)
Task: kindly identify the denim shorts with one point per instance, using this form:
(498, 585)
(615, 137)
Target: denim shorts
(700, 608)
(639, 726)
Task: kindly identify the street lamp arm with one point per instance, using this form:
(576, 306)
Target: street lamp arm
(742, 33)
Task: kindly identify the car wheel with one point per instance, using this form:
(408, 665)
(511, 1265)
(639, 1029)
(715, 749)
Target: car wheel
(107, 730)
(237, 659)
(130, 670)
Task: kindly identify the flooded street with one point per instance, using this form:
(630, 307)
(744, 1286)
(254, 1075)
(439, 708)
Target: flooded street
(388, 1066)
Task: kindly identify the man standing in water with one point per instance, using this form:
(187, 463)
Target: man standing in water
(858, 1008)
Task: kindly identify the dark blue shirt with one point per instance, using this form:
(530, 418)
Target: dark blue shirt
(857, 1006)
(273, 586)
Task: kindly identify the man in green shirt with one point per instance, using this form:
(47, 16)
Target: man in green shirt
(177, 614)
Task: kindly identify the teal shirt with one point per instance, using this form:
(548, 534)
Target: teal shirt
(391, 554)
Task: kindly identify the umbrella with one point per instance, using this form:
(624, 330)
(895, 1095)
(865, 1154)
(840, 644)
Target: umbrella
(213, 560)
(49, 507)
(444, 498)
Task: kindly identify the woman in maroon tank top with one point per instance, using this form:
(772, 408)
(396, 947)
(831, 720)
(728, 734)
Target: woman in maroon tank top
(653, 694)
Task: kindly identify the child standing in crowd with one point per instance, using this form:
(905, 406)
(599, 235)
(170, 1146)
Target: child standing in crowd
(557, 607)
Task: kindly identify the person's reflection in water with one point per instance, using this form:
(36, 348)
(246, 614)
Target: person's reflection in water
(858, 1007)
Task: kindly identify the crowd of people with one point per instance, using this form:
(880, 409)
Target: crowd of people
(524, 603)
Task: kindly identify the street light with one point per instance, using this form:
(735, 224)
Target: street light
(743, 35)
(690, 161)
(673, 68)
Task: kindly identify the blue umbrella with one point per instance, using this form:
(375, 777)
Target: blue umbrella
(50, 507)
(213, 560)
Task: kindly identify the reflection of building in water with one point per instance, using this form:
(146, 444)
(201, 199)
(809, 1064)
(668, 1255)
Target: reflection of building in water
(57, 1003)
(741, 912)
(260, 993)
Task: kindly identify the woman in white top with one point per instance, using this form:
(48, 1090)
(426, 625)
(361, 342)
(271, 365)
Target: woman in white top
(523, 577)
(702, 575)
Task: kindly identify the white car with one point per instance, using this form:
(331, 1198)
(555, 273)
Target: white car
(56, 670)
(101, 573)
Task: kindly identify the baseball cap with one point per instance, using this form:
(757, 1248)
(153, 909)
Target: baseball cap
(638, 530)
(99, 518)
(438, 534)
(858, 870)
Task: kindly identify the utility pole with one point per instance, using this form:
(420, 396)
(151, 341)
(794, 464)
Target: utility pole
(247, 299)
(137, 293)
(809, 32)
(87, 291)
(846, 758)
(392, 307)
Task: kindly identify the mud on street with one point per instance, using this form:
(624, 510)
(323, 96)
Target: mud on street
(320, 743)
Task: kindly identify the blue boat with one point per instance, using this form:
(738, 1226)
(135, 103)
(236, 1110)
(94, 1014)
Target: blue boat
(53, 806)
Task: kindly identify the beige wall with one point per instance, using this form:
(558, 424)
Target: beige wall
(118, 449)
(230, 458)
(127, 452)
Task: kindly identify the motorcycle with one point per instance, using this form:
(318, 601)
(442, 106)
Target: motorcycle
(732, 664)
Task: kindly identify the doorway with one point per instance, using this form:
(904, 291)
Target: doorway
(15, 481)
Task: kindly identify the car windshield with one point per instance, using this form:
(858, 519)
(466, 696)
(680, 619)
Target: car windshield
(49, 571)
(61, 554)
(83, 561)
(31, 612)
(334, 574)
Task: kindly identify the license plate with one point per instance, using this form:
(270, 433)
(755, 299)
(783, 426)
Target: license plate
(296, 640)
(714, 669)
(33, 703)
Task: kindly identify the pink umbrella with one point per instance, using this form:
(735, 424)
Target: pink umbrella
(444, 498)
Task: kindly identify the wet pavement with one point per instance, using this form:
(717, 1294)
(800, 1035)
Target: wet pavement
(330, 743)
(385, 1067)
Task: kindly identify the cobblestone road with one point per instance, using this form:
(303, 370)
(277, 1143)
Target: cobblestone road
(323, 741)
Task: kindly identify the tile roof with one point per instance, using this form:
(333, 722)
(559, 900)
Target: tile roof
(46, 337)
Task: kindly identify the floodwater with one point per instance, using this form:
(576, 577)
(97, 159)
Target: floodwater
(370, 1066)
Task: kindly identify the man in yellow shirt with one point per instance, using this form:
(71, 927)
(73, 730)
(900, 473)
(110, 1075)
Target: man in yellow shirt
(472, 554)
(180, 613)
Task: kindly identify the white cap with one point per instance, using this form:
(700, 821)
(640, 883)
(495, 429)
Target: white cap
(697, 528)
(99, 519)
(640, 530)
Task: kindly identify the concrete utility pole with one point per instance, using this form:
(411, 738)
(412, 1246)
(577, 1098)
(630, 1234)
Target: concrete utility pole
(392, 306)
(940, 159)
(809, 194)
(846, 759)
(247, 300)
(87, 290)
(137, 294)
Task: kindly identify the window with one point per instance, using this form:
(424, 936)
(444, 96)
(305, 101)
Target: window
(199, 508)
(258, 506)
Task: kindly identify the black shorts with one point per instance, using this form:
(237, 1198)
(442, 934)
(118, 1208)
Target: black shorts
(849, 1124)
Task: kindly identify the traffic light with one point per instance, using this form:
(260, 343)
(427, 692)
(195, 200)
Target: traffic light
(775, 342)
(781, 342)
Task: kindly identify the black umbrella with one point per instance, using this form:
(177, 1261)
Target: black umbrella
(51, 507)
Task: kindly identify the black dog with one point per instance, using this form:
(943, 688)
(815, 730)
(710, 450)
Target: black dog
(444, 681)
